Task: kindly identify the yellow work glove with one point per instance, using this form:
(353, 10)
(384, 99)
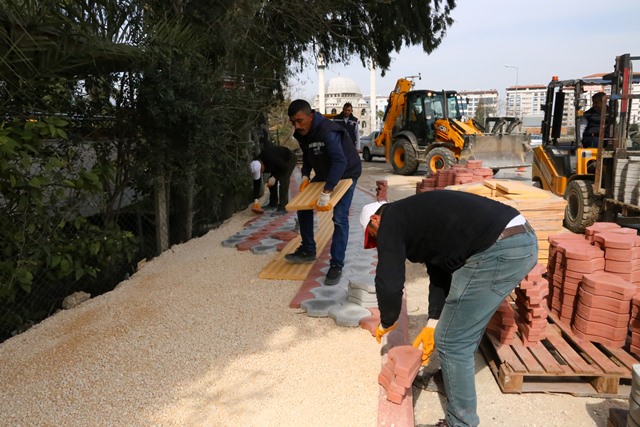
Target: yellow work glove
(323, 202)
(271, 182)
(425, 338)
(380, 331)
(304, 183)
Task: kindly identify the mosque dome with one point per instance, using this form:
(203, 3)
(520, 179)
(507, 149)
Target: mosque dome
(343, 86)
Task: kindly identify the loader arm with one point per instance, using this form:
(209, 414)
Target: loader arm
(395, 105)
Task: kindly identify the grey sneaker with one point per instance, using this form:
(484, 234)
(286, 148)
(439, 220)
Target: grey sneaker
(333, 276)
(300, 256)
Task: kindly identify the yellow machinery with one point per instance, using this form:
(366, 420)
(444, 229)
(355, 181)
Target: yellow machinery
(425, 126)
(599, 183)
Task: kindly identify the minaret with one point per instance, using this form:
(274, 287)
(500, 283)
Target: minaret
(372, 97)
(321, 94)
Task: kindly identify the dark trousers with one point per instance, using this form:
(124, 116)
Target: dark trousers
(279, 193)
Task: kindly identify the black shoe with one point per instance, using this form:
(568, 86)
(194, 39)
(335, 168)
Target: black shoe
(280, 211)
(333, 276)
(300, 256)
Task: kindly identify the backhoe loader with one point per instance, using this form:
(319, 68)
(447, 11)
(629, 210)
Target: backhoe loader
(600, 183)
(426, 126)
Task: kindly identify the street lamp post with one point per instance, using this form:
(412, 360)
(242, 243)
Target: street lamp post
(515, 94)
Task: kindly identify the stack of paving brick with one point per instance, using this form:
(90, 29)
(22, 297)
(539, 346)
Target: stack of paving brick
(622, 253)
(381, 190)
(503, 324)
(554, 300)
(603, 309)
(578, 258)
(399, 371)
(531, 306)
(471, 172)
(634, 324)
(363, 294)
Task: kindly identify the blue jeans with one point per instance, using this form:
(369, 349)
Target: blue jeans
(340, 228)
(477, 289)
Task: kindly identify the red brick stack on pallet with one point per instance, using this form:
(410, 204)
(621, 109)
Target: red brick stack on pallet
(467, 173)
(503, 324)
(531, 305)
(593, 280)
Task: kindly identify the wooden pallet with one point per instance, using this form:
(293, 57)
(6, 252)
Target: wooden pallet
(561, 363)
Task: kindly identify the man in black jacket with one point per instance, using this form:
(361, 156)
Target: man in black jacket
(347, 120)
(328, 151)
(279, 162)
(590, 122)
(477, 251)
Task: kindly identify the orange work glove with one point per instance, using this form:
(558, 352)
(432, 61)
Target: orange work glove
(304, 183)
(425, 338)
(256, 208)
(380, 331)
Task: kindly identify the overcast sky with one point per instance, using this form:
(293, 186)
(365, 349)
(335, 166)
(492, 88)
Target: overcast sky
(567, 38)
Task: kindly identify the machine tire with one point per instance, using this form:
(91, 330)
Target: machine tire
(439, 158)
(583, 207)
(366, 155)
(403, 158)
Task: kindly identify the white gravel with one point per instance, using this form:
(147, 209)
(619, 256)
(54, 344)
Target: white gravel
(195, 338)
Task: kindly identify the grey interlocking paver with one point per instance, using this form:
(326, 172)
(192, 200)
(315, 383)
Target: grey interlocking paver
(348, 315)
(330, 292)
(318, 307)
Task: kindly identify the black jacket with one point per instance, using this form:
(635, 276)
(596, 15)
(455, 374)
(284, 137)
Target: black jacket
(440, 228)
(329, 151)
(275, 159)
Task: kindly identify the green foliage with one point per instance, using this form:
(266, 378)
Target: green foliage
(43, 239)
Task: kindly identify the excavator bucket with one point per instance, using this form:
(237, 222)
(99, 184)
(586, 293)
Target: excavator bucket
(496, 151)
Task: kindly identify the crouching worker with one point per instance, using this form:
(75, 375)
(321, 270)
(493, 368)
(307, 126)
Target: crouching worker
(477, 250)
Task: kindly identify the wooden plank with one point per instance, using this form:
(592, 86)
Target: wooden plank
(627, 359)
(548, 362)
(590, 350)
(305, 200)
(527, 358)
(573, 359)
(506, 354)
(280, 269)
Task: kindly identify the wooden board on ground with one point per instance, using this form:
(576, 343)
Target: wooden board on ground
(561, 363)
(280, 269)
(305, 200)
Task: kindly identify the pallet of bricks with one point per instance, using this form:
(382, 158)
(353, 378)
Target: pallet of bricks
(574, 326)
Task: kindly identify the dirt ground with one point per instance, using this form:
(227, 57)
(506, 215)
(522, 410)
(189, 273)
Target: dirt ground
(195, 338)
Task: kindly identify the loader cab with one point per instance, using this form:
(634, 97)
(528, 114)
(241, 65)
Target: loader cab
(424, 107)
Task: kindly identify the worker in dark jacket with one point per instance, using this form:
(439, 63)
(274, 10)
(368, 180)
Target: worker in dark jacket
(477, 251)
(590, 122)
(328, 151)
(278, 162)
(347, 120)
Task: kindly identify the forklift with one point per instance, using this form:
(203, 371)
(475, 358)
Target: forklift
(600, 183)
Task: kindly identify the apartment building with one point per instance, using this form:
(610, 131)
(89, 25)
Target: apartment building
(488, 99)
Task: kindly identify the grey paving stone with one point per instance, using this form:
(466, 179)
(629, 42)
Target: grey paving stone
(348, 315)
(363, 282)
(330, 292)
(318, 307)
(231, 242)
(270, 242)
(365, 304)
(264, 249)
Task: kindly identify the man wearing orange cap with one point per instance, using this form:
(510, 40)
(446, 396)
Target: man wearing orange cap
(476, 250)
